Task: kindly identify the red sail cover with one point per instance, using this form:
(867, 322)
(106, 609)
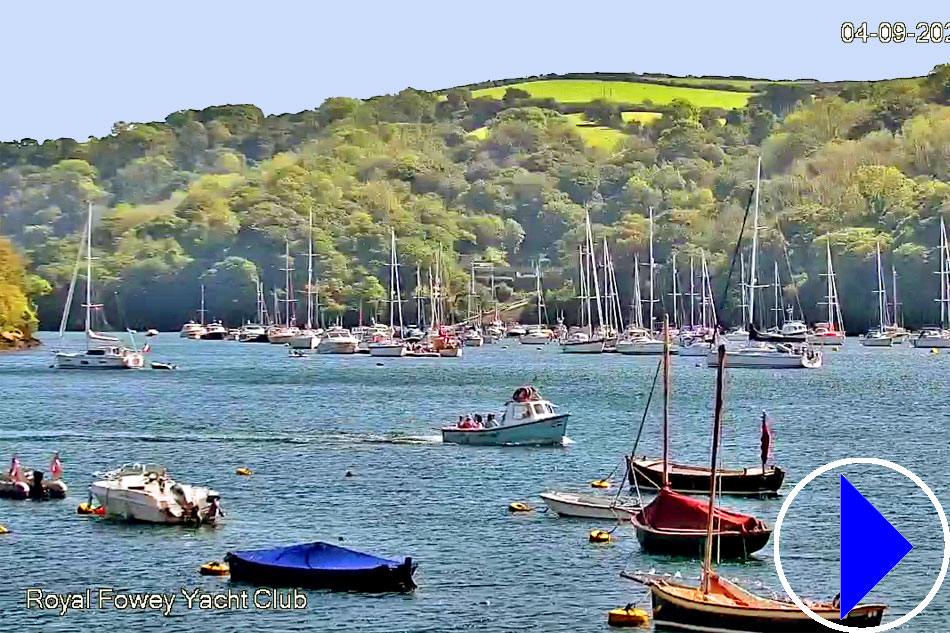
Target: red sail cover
(673, 511)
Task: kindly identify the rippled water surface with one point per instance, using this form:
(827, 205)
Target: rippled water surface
(301, 424)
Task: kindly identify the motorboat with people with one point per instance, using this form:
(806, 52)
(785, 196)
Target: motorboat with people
(528, 419)
(305, 339)
(338, 340)
(536, 335)
(141, 492)
(111, 357)
(27, 483)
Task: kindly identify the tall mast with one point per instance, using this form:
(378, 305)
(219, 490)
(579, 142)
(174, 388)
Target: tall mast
(776, 283)
(310, 275)
(881, 300)
(396, 284)
(894, 295)
(637, 304)
(652, 266)
(692, 294)
(202, 310)
(666, 400)
(608, 291)
(674, 294)
(593, 272)
(582, 280)
(832, 323)
(717, 423)
(755, 242)
(89, 276)
(944, 294)
(537, 278)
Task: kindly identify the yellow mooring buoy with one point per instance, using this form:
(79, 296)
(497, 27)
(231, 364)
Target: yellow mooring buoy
(519, 506)
(934, 350)
(599, 536)
(215, 568)
(244, 472)
(600, 483)
(4, 530)
(628, 616)
(835, 348)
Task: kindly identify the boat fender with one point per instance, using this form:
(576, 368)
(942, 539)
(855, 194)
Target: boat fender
(244, 472)
(600, 483)
(215, 568)
(4, 529)
(599, 536)
(628, 616)
(519, 506)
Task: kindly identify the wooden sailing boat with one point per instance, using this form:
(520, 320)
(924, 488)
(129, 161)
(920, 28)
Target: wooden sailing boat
(675, 524)
(719, 605)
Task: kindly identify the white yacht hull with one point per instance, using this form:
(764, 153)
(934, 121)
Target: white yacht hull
(765, 360)
(474, 341)
(451, 352)
(588, 506)
(534, 433)
(587, 347)
(308, 341)
(133, 360)
(696, 349)
(643, 348)
(836, 338)
(883, 341)
(388, 350)
(932, 341)
(535, 339)
(328, 346)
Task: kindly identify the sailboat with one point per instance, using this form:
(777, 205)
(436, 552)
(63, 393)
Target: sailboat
(896, 328)
(587, 339)
(214, 331)
(830, 332)
(718, 605)
(770, 351)
(699, 342)
(472, 336)
(877, 337)
(939, 337)
(308, 337)
(194, 330)
(674, 524)
(102, 352)
(537, 334)
(393, 345)
(645, 343)
(282, 334)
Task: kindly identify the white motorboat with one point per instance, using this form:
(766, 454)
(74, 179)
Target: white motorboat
(516, 330)
(253, 333)
(581, 343)
(933, 338)
(695, 347)
(388, 348)
(305, 339)
(192, 330)
(824, 335)
(338, 340)
(737, 335)
(101, 358)
(767, 356)
(214, 332)
(145, 493)
(536, 336)
(473, 338)
(151, 332)
(876, 338)
(281, 334)
(567, 504)
(645, 345)
(528, 420)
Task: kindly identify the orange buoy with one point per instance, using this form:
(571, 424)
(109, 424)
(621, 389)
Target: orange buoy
(628, 616)
(88, 508)
(215, 568)
(244, 472)
(519, 506)
(600, 483)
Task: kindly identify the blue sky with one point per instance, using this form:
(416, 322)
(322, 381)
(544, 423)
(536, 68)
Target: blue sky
(74, 68)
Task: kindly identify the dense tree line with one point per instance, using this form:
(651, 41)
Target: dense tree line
(213, 197)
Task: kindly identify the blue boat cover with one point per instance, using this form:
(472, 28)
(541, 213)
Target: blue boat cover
(315, 556)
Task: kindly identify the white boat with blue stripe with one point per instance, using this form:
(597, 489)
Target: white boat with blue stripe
(528, 420)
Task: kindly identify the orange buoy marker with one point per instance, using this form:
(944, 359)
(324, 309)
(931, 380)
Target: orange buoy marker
(519, 506)
(88, 508)
(628, 616)
(600, 483)
(599, 536)
(215, 568)
(244, 472)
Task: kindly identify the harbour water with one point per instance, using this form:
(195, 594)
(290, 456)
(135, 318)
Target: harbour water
(301, 423)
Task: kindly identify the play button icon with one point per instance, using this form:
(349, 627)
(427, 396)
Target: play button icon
(870, 547)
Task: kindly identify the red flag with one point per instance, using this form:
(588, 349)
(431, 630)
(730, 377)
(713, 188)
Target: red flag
(15, 469)
(146, 349)
(766, 450)
(56, 467)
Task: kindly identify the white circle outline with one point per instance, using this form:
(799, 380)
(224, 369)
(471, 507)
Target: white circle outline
(875, 462)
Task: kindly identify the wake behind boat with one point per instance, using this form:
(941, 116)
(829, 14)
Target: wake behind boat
(528, 420)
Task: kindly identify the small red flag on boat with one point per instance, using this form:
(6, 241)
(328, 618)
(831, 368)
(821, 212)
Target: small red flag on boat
(15, 468)
(56, 467)
(146, 349)
(766, 440)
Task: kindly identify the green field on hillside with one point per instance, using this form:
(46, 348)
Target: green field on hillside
(582, 91)
(645, 118)
(596, 135)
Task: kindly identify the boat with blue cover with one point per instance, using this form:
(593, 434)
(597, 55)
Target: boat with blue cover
(321, 566)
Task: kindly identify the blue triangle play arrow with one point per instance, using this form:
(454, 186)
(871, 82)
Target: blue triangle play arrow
(870, 547)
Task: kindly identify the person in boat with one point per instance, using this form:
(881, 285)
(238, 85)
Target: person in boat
(214, 510)
(478, 421)
(491, 422)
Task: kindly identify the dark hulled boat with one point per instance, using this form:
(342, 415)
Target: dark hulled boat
(321, 566)
(675, 525)
(727, 607)
(748, 482)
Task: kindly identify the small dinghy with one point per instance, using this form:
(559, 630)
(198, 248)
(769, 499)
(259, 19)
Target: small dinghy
(321, 566)
(157, 365)
(567, 504)
(31, 484)
(528, 420)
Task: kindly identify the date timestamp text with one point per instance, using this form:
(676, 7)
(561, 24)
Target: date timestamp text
(896, 32)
